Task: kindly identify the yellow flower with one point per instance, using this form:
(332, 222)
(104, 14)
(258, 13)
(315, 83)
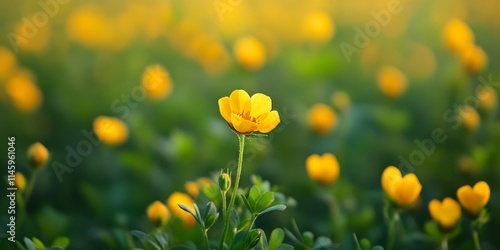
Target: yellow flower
(38, 155)
(156, 81)
(19, 181)
(322, 118)
(341, 100)
(457, 35)
(110, 130)
(7, 62)
(446, 213)
(487, 98)
(401, 190)
(23, 91)
(247, 114)
(192, 188)
(391, 81)
(473, 59)
(250, 53)
(470, 118)
(324, 169)
(181, 198)
(90, 26)
(473, 199)
(158, 214)
(318, 27)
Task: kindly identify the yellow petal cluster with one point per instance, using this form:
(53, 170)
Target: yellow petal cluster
(23, 91)
(403, 191)
(446, 213)
(20, 181)
(322, 118)
(473, 199)
(457, 35)
(156, 81)
(158, 213)
(473, 59)
(250, 53)
(470, 118)
(391, 81)
(181, 198)
(318, 27)
(324, 169)
(247, 114)
(487, 97)
(110, 130)
(38, 155)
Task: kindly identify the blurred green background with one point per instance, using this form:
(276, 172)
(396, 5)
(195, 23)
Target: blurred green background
(84, 56)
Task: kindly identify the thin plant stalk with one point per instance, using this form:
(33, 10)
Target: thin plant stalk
(475, 235)
(393, 227)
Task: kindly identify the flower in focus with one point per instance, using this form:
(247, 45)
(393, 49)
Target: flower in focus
(473, 199)
(192, 188)
(24, 92)
(457, 35)
(473, 59)
(470, 118)
(322, 118)
(19, 181)
(156, 81)
(446, 213)
(181, 198)
(250, 53)
(324, 169)
(38, 155)
(487, 98)
(391, 81)
(341, 100)
(401, 190)
(158, 214)
(7, 62)
(110, 130)
(318, 27)
(247, 114)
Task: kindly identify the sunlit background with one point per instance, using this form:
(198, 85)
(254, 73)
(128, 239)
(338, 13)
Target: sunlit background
(368, 81)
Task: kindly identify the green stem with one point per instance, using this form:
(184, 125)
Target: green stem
(475, 235)
(444, 244)
(252, 221)
(393, 227)
(31, 184)
(205, 237)
(241, 138)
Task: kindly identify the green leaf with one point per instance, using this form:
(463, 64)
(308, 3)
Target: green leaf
(323, 243)
(194, 214)
(243, 224)
(377, 248)
(234, 219)
(431, 228)
(62, 242)
(285, 247)
(20, 246)
(210, 215)
(264, 201)
(279, 207)
(253, 196)
(365, 244)
(162, 239)
(39, 244)
(29, 244)
(277, 236)
(144, 236)
(185, 246)
(308, 238)
(247, 204)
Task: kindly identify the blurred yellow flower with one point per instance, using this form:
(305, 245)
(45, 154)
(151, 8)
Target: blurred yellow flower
(158, 214)
(192, 188)
(110, 130)
(473, 59)
(391, 81)
(250, 53)
(8, 62)
(457, 35)
(37, 155)
(470, 118)
(318, 27)
(324, 169)
(23, 91)
(473, 199)
(156, 81)
(247, 114)
(20, 181)
(487, 97)
(403, 191)
(181, 198)
(322, 118)
(446, 213)
(89, 25)
(341, 100)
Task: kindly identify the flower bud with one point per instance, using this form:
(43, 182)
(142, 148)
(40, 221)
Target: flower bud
(20, 181)
(37, 155)
(224, 181)
(158, 214)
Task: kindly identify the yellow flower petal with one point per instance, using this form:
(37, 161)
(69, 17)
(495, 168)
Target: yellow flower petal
(470, 200)
(407, 190)
(261, 104)
(225, 108)
(435, 209)
(483, 190)
(389, 176)
(240, 102)
(242, 125)
(270, 122)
